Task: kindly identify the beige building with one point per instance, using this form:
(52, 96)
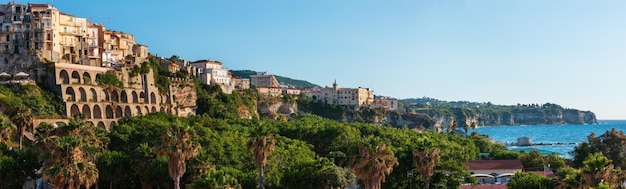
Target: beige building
(385, 102)
(242, 83)
(270, 91)
(343, 96)
(263, 79)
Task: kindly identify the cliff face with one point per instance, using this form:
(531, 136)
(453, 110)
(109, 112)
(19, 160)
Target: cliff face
(515, 117)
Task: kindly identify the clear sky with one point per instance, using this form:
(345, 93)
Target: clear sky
(568, 52)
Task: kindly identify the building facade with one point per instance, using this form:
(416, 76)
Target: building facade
(343, 96)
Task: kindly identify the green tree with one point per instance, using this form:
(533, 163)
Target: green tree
(70, 153)
(532, 161)
(215, 179)
(424, 161)
(598, 169)
(112, 165)
(22, 120)
(262, 147)
(6, 133)
(530, 180)
(372, 162)
(569, 178)
(611, 143)
(179, 145)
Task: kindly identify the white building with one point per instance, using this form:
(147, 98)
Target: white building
(212, 73)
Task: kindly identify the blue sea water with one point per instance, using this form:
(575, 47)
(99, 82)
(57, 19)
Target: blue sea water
(550, 134)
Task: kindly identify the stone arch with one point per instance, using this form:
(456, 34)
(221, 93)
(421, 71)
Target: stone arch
(83, 94)
(152, 98)
(162, 109)
(138, 109)
(115, 96)
(153, 109)
(97, 113)
(86, 111)
(86, 78)
(127, 111)
(94, 95)
(75, 77)
(107, 97)
(109, 112)
(101, 125)
(65, 77)
(74, 110)
(142, 96)
(118, 112)
(91, 122)
(71, 94)
(124, 97)
(134, 96)
(147, 110)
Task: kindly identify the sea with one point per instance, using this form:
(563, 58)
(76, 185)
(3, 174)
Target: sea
(560, 139)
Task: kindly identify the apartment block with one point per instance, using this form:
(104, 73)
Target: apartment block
(343, 96)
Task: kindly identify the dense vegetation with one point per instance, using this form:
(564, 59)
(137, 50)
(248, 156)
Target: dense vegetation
(40, 101)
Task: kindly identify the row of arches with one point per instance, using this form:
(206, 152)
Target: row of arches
(112, 112)
(92, 95)
(75, 77)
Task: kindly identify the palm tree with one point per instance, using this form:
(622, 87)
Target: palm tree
(425, 161)
(373, 163)
(597, 169)
(22, 120)
(178, 143)
(70, 152)
(6, 131)
(262, 146)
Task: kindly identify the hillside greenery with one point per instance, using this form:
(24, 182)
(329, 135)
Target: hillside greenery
(40, 100)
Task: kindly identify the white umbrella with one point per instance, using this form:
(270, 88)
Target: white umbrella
(21, 75)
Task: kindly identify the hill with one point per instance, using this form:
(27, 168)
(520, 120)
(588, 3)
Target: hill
(281, 79)
(474, 113)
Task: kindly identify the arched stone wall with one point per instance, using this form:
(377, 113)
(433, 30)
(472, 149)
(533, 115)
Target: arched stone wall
(109, 112)
(94, 95)
(153, 98)
(124, 97)
(118, 112)
(75, 77)
(69, 91)
(87, 78)
(64, 77)
(74, 110)
(83, 94)
(142, 97)
(135, 99)
(101, 125)
(87, 111)
(153, 109)
(127, 111)
(97, 112)
(114, 96)
(138, 110)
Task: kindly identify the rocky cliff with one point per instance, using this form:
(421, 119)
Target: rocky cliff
(528, 116)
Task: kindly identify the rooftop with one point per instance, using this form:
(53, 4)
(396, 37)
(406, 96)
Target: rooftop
(495, 164)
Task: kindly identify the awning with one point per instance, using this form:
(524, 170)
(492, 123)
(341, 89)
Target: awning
(483, 175)
(505, 175)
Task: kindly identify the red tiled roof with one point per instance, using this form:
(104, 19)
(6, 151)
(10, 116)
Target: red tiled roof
(495, 164)
(485, 186)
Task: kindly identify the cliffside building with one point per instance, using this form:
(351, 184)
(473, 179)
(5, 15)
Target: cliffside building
(35, 35)
(385, 102)
(343, 96)
(212, 73)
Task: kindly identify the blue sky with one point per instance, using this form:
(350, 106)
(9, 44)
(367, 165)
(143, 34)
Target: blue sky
(569, 52)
